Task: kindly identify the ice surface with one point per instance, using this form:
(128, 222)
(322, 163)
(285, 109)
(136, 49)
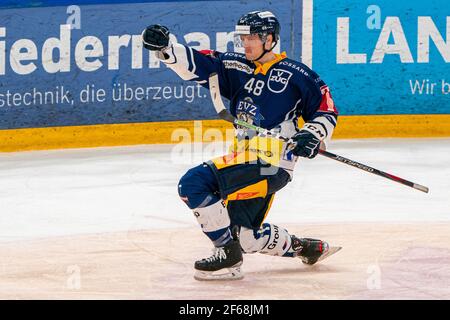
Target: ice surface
(66, 192)
(107, 223)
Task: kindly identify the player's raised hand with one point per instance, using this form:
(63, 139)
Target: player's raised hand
(305, 144)
(155, 37)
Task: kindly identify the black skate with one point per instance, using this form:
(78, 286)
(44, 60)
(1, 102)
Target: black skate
(224, 264)
(311, 251)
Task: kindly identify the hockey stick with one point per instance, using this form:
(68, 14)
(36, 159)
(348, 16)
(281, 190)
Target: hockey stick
(225, 115)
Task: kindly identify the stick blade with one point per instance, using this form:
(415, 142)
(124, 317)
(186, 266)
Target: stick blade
(330, 252)
(421, 188)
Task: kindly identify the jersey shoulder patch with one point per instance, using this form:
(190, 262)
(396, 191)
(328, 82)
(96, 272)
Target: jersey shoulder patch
(233, 55)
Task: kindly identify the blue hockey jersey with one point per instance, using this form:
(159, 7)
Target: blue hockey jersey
(272, 96)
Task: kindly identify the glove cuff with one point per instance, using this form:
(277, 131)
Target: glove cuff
(321, 127)
(316, 130)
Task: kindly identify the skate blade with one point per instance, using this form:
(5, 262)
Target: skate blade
(232, 273)
(331, 251)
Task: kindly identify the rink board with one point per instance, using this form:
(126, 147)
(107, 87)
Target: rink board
(406, 126)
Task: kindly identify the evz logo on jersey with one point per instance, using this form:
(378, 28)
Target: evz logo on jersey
(278, 80)
(247, 107)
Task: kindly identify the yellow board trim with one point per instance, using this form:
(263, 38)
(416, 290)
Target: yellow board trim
(109, 135)
(393, 126)
(380, 126)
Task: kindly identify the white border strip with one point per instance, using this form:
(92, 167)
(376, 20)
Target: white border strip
(307, 32)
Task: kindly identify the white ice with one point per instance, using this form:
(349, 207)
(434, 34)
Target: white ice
(69, 192)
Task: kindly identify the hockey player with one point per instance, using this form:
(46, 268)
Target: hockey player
(230, 196)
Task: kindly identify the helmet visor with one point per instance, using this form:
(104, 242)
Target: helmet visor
(248, 40)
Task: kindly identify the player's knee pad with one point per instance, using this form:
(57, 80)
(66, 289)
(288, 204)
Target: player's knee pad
(213, 217)
(269, 239)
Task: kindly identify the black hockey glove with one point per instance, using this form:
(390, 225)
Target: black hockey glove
(305, 144)
(155, 37)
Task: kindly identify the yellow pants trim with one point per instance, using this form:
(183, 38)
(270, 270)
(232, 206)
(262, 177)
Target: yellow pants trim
(234, 158)
(268, 208)
(256, 190)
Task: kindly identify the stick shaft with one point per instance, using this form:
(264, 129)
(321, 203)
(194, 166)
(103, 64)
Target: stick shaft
(373, 170)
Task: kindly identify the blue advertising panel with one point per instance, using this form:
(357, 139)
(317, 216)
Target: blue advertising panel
(65, 65)
(384, 57)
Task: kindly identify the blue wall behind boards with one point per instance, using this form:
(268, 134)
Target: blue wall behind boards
(54, 3)
(398, 82)
(158, 94)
